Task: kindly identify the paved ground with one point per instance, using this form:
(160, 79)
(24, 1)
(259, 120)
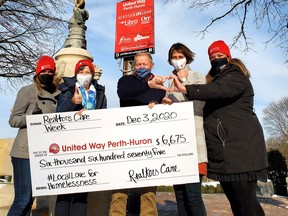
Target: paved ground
(218, 205)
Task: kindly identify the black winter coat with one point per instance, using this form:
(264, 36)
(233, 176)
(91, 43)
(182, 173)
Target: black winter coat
(234, 136)
(67, 91)
(133, 91)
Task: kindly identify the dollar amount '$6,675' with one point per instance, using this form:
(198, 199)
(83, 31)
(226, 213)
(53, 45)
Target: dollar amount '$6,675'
(171, 139)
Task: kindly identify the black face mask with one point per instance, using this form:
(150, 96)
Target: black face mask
(46, 79)
(217, 65)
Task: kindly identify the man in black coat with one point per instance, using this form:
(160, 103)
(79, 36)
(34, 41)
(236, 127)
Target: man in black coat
(134, 90)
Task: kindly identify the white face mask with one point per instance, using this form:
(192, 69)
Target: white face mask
(84, 80)
(179, 64)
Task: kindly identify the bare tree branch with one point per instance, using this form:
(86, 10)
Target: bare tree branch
(276, 118)
(270, 15)
(29, 29)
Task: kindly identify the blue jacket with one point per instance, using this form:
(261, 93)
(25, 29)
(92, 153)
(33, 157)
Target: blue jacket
(67, 88)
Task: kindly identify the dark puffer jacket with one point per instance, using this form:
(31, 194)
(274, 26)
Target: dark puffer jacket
(67, 91)
(234, 136)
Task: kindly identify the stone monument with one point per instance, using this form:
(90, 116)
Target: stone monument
(75, 46)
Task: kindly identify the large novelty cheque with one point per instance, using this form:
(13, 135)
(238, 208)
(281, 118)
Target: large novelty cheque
(112, 149)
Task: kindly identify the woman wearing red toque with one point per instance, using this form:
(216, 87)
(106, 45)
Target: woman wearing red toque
(37, 98)
(237, 156)
(78, 93)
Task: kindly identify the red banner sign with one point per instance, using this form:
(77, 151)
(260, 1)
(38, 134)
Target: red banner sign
(134, 27)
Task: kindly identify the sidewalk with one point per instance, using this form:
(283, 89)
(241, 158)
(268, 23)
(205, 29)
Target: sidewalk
(218, 205)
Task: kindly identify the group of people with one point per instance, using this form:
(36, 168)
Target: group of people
(48, 95)
(229, 138)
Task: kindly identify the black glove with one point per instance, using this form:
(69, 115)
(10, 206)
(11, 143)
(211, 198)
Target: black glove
(37, 110)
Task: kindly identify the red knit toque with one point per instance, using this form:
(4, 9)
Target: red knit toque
(219, 46)
(45, 63)
(84, 62)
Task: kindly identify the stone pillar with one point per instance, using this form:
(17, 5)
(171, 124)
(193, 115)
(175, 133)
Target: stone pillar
(76, 37)
(75, 46)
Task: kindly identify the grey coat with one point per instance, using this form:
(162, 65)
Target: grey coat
(28, 100)
(194, 78)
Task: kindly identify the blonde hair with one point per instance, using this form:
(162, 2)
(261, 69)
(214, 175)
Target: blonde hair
(240, 64)
(144, 54)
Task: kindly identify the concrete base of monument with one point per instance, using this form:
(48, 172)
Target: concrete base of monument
(67, 58)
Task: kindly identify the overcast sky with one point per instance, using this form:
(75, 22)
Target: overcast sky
(176, 23)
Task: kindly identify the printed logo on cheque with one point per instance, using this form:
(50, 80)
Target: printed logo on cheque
(54, 148)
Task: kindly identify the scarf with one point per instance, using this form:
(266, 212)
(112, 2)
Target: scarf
(88, 97)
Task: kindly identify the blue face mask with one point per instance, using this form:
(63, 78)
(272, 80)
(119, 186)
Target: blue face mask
(143, 73)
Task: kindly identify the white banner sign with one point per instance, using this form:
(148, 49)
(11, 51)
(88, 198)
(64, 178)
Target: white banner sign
(112, 149)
